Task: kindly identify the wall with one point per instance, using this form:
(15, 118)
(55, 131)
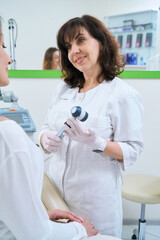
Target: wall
(38, 101)
(37, 31)
(149, 161)
(38, 22)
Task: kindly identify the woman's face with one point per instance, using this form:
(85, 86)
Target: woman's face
(83, 51)
(4, 62)
(56, 60)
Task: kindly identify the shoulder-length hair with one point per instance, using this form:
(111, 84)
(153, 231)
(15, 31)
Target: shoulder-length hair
(111, 61)
(47, 61)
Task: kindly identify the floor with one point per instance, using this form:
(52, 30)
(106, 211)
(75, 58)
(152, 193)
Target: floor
(152, 232)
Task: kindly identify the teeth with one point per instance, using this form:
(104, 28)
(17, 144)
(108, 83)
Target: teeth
(80, 59)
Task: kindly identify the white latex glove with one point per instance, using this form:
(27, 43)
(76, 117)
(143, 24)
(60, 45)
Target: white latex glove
(77, 133)
(50, 141)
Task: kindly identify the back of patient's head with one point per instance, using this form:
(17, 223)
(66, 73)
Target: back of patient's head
(0, 26)
(47, 61)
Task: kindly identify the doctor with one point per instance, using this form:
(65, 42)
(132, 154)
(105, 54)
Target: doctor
(22, 214)
(86, 164)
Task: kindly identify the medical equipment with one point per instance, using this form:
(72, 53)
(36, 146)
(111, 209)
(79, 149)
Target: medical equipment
(12, 23)
(78, 113)
(16, 113)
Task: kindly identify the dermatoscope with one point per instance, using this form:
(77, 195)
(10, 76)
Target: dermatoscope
(77, 113)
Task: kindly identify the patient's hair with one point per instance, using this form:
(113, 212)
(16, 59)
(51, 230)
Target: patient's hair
(111, 61)
(0, 26)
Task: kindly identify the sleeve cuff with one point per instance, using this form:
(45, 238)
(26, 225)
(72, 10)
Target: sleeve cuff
(81, 231)
(127, 159)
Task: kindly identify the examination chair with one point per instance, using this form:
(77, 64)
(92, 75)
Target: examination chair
(52, 199)
(143, 189)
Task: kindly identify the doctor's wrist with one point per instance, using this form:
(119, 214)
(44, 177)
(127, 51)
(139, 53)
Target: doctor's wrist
(42, 145)
(100, 145)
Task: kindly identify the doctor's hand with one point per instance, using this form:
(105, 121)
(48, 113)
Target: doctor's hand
(50, 142)
(77, 133)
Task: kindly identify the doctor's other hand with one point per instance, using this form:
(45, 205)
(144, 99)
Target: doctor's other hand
(77, 133)
(50, 142)
(89, 227)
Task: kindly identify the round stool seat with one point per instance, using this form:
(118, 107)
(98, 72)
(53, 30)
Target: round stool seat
(141, 188)
(102, 237)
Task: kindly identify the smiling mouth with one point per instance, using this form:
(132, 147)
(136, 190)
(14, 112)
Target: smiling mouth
(80, 60)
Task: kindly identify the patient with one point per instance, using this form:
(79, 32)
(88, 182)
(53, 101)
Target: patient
(22, 214)
(51, 59)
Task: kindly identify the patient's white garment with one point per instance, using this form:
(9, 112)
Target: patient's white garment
(22, 214)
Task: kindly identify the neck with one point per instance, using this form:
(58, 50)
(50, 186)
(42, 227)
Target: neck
(92, 78)
(90, 84)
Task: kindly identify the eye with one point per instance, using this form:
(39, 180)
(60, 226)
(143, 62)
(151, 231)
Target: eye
(81, 39)
(4, 46)
(68, 47)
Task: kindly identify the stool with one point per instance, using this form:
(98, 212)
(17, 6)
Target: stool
(144, 189)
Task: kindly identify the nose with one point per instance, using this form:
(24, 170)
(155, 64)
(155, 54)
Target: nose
(75, 48)
(9, 61)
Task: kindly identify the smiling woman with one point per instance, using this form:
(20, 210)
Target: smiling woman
(83, 52)
(88, 160)
(100, 47)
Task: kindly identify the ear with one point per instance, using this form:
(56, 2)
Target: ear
(101, 46)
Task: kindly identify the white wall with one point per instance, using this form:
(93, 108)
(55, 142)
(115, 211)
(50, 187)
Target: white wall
(37, 102)
(39, 20)
(38, 23)
(149, 162)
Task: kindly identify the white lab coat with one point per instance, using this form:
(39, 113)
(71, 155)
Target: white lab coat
(90, 182)
(22, 214)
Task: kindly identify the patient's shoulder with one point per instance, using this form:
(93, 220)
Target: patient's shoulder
(11, 134)
(8, 127)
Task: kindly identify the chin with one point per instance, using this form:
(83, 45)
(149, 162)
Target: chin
(4, 82)
(82, 70)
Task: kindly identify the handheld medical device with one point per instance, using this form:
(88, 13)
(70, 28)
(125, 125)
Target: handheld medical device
(16, 113)
(78, 113)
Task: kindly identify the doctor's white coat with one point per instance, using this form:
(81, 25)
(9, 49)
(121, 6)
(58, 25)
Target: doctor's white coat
(90, 182)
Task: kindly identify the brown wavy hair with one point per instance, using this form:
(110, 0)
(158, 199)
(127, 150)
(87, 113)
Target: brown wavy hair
(111, 61)
(47, 61)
